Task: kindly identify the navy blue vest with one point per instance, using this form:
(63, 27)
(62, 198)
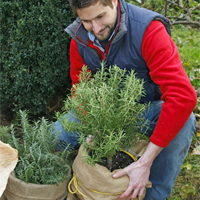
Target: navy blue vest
(125, 49)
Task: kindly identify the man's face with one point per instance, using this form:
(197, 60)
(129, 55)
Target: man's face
(99, 19)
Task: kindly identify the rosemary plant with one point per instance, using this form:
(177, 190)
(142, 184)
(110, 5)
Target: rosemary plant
(38, 162)
(107, 106)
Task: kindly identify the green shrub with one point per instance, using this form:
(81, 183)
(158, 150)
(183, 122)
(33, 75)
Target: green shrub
(37, 160)
(34, 65)
(107, 105)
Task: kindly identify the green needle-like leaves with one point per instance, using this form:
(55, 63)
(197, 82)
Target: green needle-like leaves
(109, 109)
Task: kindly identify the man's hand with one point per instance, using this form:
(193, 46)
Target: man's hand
(139, 177)
(139, 172)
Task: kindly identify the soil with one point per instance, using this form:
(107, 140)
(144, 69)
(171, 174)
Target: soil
(119, 161)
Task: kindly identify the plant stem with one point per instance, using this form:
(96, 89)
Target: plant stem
(109, 161)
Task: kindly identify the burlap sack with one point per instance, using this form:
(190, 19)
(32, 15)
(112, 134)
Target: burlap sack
(19, 190)
(3, 197)
(8, 161)
(96, 182)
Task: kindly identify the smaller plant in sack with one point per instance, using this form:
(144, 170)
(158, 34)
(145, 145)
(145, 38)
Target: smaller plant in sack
(41, 172)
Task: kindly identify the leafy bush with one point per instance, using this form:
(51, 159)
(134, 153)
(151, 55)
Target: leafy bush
(107, 105)
(178, 12)
(34, 65)
(38, 162)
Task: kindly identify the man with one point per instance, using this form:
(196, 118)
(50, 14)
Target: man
(134, 38)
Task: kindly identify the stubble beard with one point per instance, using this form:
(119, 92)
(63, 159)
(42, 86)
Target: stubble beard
(106, 35)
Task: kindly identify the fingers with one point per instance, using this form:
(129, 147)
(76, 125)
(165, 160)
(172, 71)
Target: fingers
(126, 194)
(120, 173)
(132, 193)
(141, 191)
(136, 192)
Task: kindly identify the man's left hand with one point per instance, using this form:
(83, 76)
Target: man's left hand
(139, 172)
(139, 176)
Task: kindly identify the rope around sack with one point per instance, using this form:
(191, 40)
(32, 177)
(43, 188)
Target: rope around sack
(76, 183)
(77, 190)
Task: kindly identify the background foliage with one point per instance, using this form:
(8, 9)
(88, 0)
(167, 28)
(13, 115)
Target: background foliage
(177, 11)
(34, 65)
(34, 53)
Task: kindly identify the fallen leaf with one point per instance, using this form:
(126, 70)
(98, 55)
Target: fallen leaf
(196, 151)
(198, 134)
(187, 166)
(186, 64)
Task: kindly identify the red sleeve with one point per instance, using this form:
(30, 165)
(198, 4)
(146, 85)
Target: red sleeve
(166, 70)
(76, 62)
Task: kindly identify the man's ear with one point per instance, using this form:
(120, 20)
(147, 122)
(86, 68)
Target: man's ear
(115, 3)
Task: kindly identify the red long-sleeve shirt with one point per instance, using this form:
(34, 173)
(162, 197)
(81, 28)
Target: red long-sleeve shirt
(163, 61)
(166, 70)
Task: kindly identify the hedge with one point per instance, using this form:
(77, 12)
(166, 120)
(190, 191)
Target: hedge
(34, 66)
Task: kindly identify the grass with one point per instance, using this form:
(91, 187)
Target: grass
(188, 43)
(187, 185)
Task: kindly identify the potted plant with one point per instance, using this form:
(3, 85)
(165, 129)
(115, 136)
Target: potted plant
(108, 109)
(41, 172)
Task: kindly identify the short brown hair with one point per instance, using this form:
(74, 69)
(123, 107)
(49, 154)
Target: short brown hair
(78, 4)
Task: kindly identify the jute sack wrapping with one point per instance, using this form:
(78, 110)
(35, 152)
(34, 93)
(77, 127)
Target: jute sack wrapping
(3, 197)
(19, 190)
(96, 182)
(8, 161)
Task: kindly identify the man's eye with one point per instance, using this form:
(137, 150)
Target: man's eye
(99, 16)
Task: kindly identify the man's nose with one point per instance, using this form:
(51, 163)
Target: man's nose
(96, 27)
